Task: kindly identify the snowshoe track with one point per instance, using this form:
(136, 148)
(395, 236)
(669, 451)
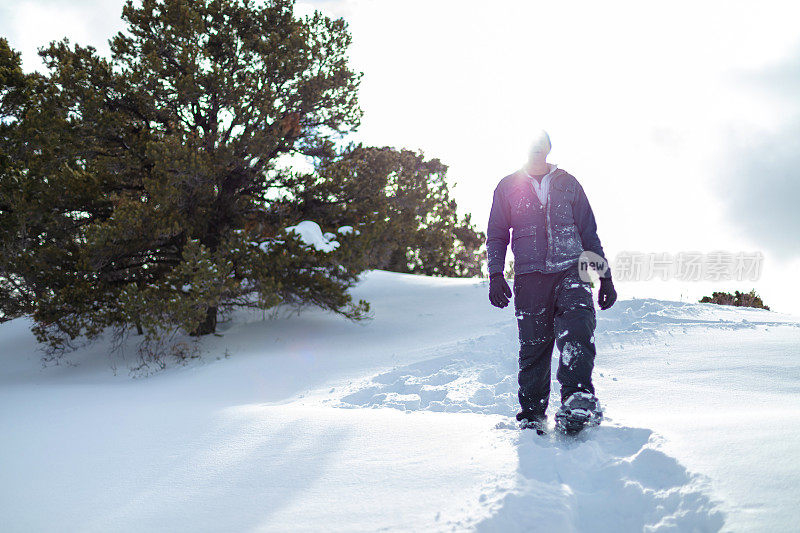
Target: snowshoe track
(608, 478)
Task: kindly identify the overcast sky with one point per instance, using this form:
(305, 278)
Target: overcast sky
(680, 119)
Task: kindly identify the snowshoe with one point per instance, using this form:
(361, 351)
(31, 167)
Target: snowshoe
(531, 421)
(579, 411)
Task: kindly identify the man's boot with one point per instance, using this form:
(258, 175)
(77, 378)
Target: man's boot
(580, 410)
(534, 421)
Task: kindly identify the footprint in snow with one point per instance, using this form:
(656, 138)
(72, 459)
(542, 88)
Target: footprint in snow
(610, 479)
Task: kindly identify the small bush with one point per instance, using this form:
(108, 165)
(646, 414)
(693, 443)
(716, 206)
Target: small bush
(738, 299)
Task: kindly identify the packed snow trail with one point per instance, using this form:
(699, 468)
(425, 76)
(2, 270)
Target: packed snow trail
(609, 478)
(312, 423)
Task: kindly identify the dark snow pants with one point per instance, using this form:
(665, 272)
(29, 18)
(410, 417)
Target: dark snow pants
(553, 309)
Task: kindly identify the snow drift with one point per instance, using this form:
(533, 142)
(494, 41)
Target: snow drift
(310, 423)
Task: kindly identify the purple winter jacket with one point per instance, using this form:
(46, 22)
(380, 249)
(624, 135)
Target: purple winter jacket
(545, 238)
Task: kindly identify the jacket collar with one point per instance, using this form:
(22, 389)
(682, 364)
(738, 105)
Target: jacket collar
(542, 189)
(551, 166)
(523, 175)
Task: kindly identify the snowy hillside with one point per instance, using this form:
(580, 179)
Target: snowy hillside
(314, 423)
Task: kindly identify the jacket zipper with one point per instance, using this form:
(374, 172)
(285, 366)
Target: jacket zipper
(548, 254)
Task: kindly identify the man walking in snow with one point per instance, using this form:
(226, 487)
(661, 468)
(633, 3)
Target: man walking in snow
(551, 225)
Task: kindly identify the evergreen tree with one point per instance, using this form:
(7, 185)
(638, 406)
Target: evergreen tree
(412, 224)
(150, 190)
(44, 200)
(157, 169)
(14, 93)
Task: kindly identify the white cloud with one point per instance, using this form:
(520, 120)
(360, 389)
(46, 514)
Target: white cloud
(32, 24)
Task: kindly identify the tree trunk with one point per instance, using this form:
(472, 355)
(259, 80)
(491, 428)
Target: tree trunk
(209, 324)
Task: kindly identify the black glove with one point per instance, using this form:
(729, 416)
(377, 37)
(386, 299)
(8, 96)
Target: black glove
(607, 295)
(499, 291)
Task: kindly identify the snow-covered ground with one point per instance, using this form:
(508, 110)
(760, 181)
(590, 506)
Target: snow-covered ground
(314, 423)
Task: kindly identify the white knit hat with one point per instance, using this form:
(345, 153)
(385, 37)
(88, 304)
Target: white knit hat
(541, 143)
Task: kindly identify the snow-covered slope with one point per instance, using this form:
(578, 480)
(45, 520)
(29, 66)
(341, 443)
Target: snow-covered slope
(313, 423)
